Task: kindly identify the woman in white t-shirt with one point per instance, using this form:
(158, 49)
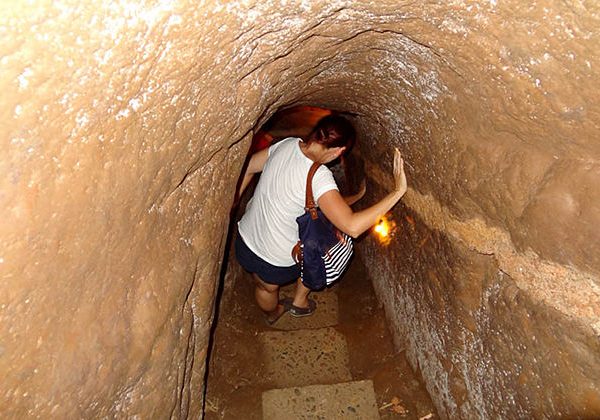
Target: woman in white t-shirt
(268, 230)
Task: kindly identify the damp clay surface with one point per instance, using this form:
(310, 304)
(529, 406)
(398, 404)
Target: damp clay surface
(125, 126)
(238, 375)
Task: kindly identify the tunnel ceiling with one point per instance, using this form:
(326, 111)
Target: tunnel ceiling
(126, 124)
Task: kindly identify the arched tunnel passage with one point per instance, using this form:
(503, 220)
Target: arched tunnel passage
(125, 128)
(346, 338)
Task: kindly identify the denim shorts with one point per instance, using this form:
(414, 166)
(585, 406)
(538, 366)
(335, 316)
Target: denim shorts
(268, 273)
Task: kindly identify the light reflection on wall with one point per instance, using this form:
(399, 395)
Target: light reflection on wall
(384, 230)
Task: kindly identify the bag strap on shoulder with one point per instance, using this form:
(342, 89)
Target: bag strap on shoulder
(309, 203)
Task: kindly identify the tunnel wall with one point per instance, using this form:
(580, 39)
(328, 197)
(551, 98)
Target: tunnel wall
(491, 280)
(486, 345)
(117, 176)
(125, 128)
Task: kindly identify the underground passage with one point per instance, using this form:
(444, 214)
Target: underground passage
(127, 125)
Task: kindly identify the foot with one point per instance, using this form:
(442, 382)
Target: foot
(298, 312)
(274, 315)
(287, 303)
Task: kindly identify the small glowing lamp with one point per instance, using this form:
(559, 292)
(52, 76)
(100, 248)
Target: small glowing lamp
(384, 228)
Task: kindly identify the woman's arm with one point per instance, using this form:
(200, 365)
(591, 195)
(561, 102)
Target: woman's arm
(255, 165)
(353, 223)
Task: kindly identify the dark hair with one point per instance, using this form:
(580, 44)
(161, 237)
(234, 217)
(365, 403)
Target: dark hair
(334, 131)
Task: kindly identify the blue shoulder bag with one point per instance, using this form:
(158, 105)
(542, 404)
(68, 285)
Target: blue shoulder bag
(323, 251)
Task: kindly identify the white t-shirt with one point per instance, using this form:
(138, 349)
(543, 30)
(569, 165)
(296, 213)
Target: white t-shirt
(269, 226)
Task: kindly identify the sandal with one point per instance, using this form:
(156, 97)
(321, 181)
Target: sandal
(298, 312)
(287, 303)
(273, 318)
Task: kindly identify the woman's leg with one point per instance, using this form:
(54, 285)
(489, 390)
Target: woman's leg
(267, 295)
(301, 296)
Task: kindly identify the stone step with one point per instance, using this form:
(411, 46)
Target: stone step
(350, 400)
(326, 314)
(304, 357)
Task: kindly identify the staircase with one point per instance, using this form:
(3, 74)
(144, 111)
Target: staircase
(307, 365)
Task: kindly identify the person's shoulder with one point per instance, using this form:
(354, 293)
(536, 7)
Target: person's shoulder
(324, 174)
(290, 140)
(323, 182)
(285, 143)
(323, 169)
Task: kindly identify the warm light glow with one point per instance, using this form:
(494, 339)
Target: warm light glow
(384, 229)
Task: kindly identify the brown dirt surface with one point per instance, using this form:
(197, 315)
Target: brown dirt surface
(235, 376)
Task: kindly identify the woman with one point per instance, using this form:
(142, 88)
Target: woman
(268, 229)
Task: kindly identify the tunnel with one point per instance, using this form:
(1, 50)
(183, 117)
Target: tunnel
(125, 126)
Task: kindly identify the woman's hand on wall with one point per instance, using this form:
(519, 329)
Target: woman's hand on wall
(336, 209)
(399, 175)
